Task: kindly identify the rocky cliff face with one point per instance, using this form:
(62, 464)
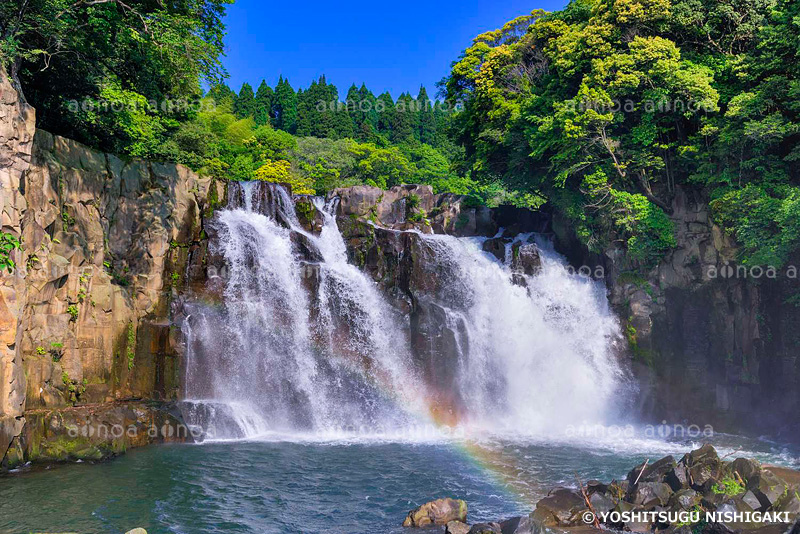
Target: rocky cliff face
(17, 126)
(84, 316)
(711, 341)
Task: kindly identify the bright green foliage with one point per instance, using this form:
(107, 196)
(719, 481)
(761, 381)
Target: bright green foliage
(381, 167)
(115, 75)
(279, 172)
(219, 143)
(8, 242)
(608, 106)
(729, 486)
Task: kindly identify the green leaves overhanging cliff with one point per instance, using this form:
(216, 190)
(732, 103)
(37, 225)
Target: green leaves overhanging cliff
(607, 106)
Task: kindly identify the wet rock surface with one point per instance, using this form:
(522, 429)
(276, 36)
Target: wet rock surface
(438, 512)
(94, 433)
(645, 501)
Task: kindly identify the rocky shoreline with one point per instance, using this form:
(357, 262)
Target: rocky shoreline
(699, 494)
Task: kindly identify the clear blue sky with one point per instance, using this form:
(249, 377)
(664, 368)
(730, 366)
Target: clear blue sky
(393, 46)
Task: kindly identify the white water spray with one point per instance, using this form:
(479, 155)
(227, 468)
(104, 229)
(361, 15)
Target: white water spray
(301, 345)
(533, 357)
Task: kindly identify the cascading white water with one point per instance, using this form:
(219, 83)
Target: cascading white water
(532, 359)
(299, 345)
(262, 351)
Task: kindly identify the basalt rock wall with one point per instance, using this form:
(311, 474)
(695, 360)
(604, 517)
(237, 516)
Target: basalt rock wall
(711, 341)
(84, 315)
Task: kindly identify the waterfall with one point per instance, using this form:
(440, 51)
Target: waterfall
(532, 356)
(321, 361)
(299, 341)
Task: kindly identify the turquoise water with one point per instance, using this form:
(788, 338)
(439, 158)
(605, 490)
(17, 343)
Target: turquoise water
(283, 487)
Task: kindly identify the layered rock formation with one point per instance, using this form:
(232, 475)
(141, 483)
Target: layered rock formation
(105, 242)
(712, 342)
(17, 127)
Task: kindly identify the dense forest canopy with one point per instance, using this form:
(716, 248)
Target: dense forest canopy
(603, 110)
(74, 58)
(606, 107)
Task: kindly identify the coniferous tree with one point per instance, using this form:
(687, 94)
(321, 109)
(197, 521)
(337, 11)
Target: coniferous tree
(263, 105)
(361, 108)
(284, 106)
(245, 103)
(427, 123)
(341, 123)
(369, 101)
(307, 115)
(355, 109)
(324, 101)
(222, 95)
(404, 119)
(386, 114)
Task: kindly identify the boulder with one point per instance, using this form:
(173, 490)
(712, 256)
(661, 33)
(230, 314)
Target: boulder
(137, 531)
(595, 486)
(704, 466)
(767, 487)
(525, 258)
(456, 527)
(677, 477)
(496, 247)
(705, 454)
(520, 525)
(684, 499)
(732, 506)
(438, 512)
(602, 502)
(655, 472)
(746, 469)
(562, 507)
(649, 494)
(750, 498)
(486, 528)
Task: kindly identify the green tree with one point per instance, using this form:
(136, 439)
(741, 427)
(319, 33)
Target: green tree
(222, 95)
(284, 106)
(427, 122)
(263, 104)
(65, 53)
(245, 103)
(406, 119)
(384, 107)
(382, 167)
